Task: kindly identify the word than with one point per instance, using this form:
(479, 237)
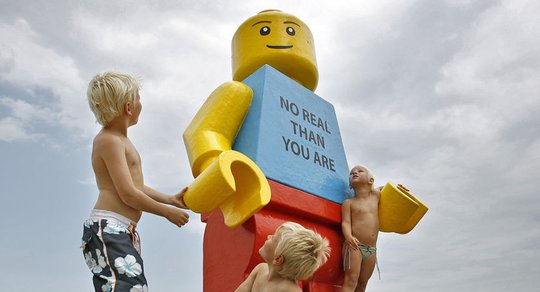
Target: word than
(308, 134)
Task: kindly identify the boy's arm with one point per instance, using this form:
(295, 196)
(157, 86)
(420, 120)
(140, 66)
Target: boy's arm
(176, 200)
(247, 285)
(346, 220)
(112, 151)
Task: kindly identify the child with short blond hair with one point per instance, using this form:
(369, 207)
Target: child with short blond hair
(111, 246)
(360, 227)
(291, 254)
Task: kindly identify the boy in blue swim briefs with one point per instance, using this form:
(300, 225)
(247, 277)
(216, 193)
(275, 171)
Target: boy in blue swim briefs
(111, 246)
(360, 227)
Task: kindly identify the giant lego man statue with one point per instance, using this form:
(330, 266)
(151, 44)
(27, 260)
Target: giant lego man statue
(265, 149)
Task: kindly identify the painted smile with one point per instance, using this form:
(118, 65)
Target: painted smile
(279, 47)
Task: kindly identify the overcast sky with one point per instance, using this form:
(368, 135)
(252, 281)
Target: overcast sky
(441, 96)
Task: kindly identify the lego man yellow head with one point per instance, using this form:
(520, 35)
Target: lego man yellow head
(278, 39)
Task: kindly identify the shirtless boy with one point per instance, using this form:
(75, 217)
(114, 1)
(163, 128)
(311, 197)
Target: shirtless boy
(291, 254)
(111, 246)
(360, 227)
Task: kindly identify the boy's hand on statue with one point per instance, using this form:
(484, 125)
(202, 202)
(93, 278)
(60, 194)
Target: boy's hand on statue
(178, 199)
(177, 217)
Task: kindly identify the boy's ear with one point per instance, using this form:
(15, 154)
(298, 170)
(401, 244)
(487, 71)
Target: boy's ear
(371, 180)
(279, 260)
(127, 108)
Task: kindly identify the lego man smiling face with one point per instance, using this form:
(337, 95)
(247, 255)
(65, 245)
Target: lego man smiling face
(278, 39)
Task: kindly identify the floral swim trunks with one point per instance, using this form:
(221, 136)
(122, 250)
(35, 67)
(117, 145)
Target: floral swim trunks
(111, 249)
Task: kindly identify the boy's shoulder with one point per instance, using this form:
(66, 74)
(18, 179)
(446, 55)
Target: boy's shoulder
(107, 136)
(348, 202)
(286, 285)
(260, 275)
(261, 268)
(377, 192)
(352, 200)
(261, 272)
(106, 140)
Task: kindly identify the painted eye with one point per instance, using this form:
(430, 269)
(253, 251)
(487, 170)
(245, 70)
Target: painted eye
(290, 31)
(265, 30)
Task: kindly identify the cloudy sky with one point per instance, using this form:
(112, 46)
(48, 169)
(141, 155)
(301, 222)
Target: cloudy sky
(441, 96)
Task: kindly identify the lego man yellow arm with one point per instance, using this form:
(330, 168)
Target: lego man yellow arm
(225, 178)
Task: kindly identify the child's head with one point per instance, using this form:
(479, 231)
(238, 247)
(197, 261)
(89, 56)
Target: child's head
(360, 175)
(108, 93)
(298, 251)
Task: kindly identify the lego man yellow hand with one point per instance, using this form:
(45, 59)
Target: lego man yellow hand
(399, 210)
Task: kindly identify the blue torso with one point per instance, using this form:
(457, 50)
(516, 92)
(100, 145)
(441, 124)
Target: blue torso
(293, 136)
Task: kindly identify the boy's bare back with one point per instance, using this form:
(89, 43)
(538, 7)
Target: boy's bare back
(262, 282)
(116, 162)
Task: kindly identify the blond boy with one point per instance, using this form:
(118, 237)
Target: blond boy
(291, 254)
(111, 246)
(360, 227)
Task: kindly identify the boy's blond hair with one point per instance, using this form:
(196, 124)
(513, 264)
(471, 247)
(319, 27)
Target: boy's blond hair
(369, 172)
(370, 175)
(303, 250)
(108, 92)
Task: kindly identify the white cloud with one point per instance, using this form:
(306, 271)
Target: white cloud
(19, 124)
(32, 66)
(498, 63)
(25, 111)
(13, 130)
(465, 122)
